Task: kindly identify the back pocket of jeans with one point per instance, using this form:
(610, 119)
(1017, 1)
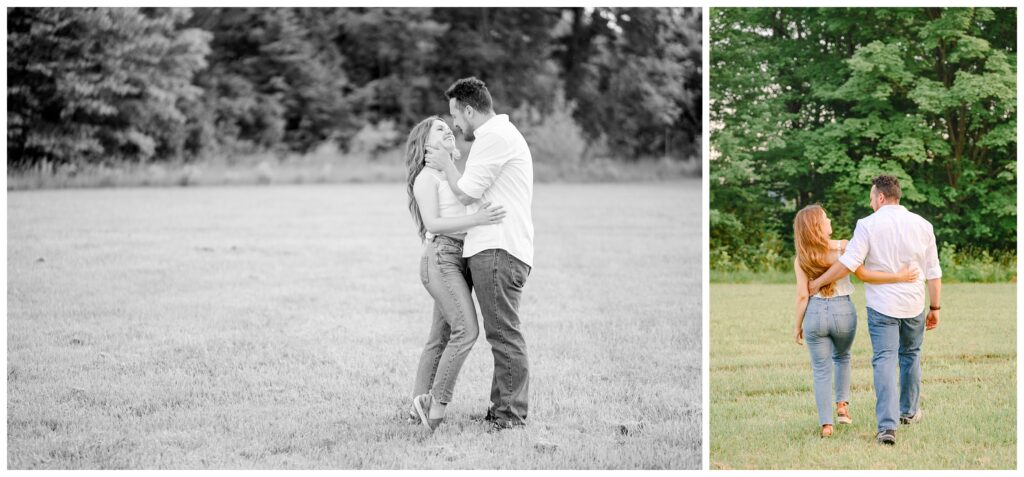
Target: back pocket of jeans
(845, 317)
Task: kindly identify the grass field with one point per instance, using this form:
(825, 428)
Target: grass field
(279, 327)
(762, 403)
(323, 165)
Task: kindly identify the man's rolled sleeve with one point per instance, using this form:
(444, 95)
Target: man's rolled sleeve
(932, 270)
(856, 249)
(482, 167)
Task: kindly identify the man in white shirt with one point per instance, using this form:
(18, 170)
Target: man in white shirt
(886, 240)
(499, 170)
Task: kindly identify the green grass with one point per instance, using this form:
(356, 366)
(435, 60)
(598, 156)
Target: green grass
(762, 404)
(747, 276)
(279, 327)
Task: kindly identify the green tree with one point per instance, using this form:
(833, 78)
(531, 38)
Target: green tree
(809, 104)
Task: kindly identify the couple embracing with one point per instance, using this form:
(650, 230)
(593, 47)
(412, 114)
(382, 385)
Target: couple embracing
(893, 252)
(477, 231)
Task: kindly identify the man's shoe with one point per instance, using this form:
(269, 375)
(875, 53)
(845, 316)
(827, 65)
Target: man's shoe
(422, 405)
(843, 413)
(503, 424)
(887, 437)
(489, 417)
(916, 418)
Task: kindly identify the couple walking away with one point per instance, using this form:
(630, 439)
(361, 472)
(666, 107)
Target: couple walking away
(888, 251)
(478, 233)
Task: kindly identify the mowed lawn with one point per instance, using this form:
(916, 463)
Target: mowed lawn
(762, 403)
(279, 327)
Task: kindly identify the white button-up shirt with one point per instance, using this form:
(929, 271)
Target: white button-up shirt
(500, 170)
(885, 241)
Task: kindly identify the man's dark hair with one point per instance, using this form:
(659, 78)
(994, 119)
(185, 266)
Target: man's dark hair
(470, 92)
(887, 185)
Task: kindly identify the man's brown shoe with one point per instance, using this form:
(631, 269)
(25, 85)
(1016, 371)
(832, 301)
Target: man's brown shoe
(843, 413)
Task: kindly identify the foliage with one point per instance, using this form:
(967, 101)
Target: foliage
(635, 75)
(958, 266)
(274, 80)
(554, 137)
(809, 104)
(99, 84)
(92, 84)
(375, 138)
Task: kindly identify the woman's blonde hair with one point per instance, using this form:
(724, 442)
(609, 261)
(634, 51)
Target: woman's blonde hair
(812, 250)
(415, 160)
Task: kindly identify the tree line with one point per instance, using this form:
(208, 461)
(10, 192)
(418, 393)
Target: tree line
(105, 85)
(809, 104)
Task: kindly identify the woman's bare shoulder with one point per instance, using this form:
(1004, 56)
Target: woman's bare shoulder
(427, 176)
(839, 245)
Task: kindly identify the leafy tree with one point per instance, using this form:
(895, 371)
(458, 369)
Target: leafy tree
(809, 104)
(273, 82)
(98, 84)
(635, 76)
(101, 84)
(508, 48)
(389, 53)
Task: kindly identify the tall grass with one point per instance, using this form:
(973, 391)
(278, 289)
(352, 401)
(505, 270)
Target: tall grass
(325, 165)
(958, 266)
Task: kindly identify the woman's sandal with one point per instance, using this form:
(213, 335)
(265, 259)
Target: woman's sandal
(826, 430)
(843, 413)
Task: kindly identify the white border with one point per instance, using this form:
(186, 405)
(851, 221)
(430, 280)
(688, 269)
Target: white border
(706, 72)
(706, 237)
(707, 364)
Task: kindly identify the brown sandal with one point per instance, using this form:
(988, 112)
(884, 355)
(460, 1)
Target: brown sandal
(826, 430)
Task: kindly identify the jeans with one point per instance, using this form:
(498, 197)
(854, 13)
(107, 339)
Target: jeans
(892, 337)
(830, 325)
(454, 328)
(499, 278)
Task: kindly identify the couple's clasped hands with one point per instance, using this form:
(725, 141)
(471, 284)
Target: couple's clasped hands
(441, 160)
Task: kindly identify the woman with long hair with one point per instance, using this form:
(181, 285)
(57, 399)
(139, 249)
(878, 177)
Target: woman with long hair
(828, 320)
(441, 221)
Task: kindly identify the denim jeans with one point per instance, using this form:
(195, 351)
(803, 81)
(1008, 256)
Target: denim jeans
(454, 328)
(830, 325)
(892, 337)
(499, 278)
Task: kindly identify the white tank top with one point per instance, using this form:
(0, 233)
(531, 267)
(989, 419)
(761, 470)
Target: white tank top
(447, 204)
(843, 286)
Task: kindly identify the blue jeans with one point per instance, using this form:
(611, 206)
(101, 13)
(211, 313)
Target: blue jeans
(499, 278)
(892, 337)
(454, 328)
(830, 325)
